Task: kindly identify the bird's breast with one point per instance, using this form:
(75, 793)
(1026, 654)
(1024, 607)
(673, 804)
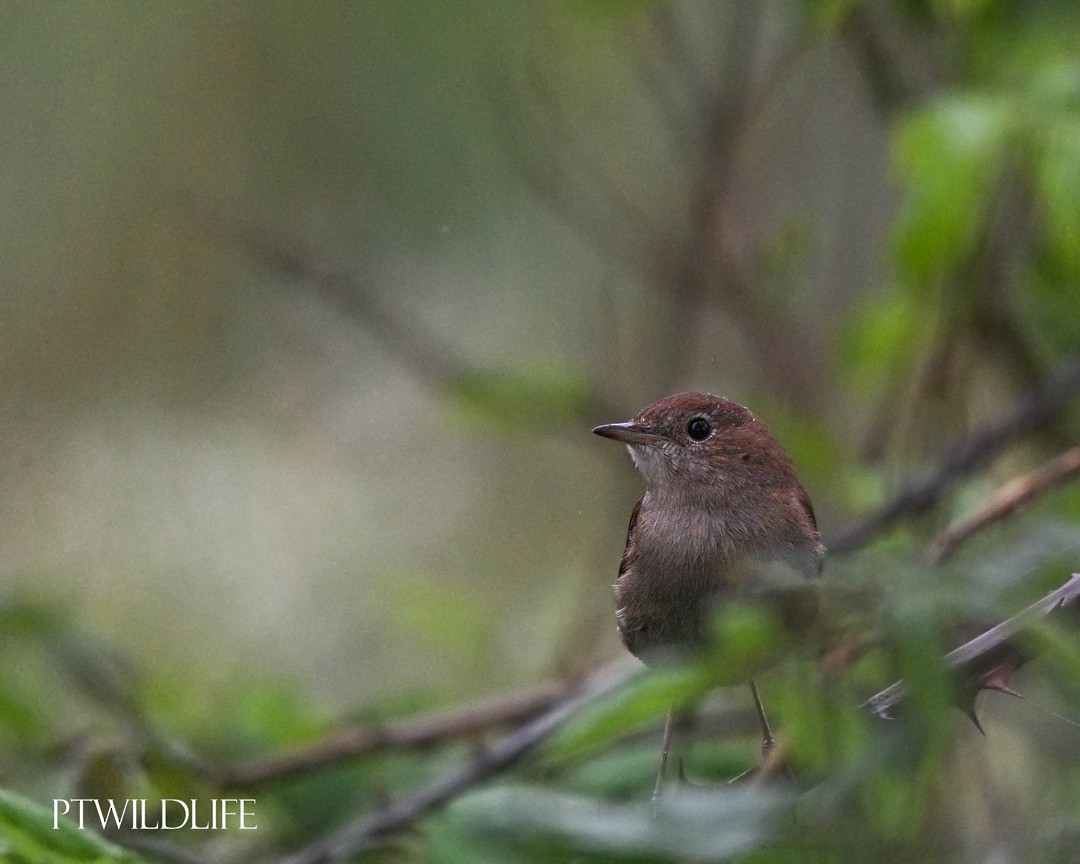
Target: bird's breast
(687, 562)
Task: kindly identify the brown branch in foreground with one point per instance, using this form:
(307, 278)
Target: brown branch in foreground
(401, 812)
(986, 661)
(1009, 499)
(1033, 411)
(157, 850)
(982, 663)
(439, 727)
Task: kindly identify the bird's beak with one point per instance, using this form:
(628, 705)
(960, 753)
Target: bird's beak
(628, 433)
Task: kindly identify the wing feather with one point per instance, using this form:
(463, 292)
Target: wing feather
(629, 554)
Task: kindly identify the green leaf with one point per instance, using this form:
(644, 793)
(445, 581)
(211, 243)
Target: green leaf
(884, 330)
(1058, 187)
(28, 622)
(746, 637)
(27, 836)
(702, 824)
(949, 156)
(641, 703)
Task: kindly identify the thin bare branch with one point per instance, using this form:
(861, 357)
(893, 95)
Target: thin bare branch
(983, 662)
(669, 102)
(1008, 500)
(596, 218)
(895, 62)
(435, 361)
(584, 167)
(431, 358)
(159, 850)
(508, 751)
(677, 56)
(997, 652)
(1032, 412)
(428, 730)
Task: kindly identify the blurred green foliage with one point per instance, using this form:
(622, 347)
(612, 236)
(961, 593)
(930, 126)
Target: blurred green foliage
(980, 296)
(27, 836)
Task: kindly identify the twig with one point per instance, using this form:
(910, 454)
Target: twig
(894, 61)
(977, 662)
(668, 101)
(158, 850)
(918, 496)
(423, 352)
(775, 762)
(999, 649)
(412, 733)
(677, 54)
(503, 754)
(434, 361)
(1009, 499)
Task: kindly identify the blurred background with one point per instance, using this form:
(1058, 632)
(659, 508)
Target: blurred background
(309, 309)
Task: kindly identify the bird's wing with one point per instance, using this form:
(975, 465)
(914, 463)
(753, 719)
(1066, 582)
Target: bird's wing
(817, 558)
(804, 501)
(630, 552)
(628, 629)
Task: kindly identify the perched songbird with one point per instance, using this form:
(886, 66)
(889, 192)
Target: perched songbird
(723, 516)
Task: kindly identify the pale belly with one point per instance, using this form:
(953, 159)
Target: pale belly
(666, 608)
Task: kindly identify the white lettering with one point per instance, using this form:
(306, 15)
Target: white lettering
(111, 814)
(57, 812)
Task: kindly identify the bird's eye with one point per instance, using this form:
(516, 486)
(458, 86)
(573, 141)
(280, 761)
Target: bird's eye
(698, 428)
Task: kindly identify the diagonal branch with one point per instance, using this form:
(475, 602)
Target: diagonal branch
(508, 751)
(433, 360)
(979, 663)
(1032, 412)
(412, 733)
(1010, 499)
(895, 60)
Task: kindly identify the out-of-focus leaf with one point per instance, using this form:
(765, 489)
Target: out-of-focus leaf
(949, 156)
(919, 651)
(642, 702)
(1058, 184)
(885, 329)
(628, 772)
(20, 716)
(513, 399)
(822, 725)
(104, 775)
(1055, 83)
(746, 637)
(28, 621)
(27, 836)
(168, 777)
(25, 714)
(1058, 647)
(1054, 302)
(616, 773)
(436, 613)
(705, 825)
(261, 716)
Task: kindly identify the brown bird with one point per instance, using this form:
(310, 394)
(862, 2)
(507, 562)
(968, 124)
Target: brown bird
(722, 516)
